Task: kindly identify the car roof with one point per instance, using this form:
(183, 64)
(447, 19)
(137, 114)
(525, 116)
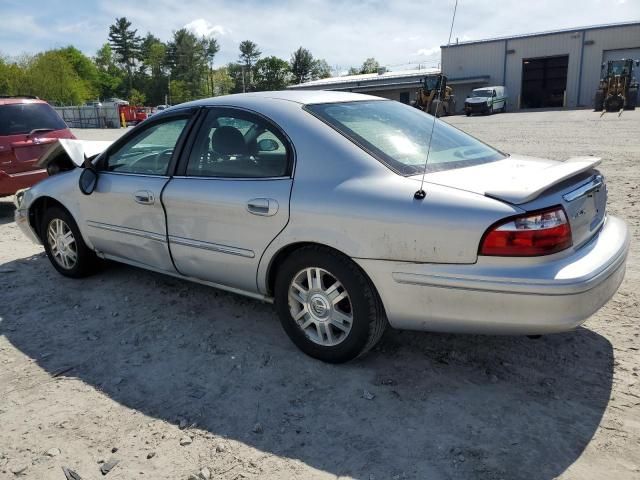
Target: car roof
(8, 100)
(303, 97)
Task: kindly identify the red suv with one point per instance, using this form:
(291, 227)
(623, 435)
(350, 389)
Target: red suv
(27, 127)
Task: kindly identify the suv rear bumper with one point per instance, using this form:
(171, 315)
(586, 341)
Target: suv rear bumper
(496, 295)
(11, 183)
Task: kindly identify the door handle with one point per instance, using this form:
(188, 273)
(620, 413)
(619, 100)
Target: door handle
(266, 207)
(144, 197)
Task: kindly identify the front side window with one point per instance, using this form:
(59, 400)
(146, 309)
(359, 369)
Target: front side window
(398, 136)
(237, 144)
(149, 152)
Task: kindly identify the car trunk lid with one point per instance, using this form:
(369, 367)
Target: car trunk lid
(534, 183)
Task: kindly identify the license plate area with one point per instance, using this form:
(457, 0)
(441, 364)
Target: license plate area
(586, 208)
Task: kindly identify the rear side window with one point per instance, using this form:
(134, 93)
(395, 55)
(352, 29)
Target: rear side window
(237, 144)
(22, 118)
(398, 135)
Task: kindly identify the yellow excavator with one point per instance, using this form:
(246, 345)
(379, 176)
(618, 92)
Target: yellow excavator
(618, 89)
(435, 96)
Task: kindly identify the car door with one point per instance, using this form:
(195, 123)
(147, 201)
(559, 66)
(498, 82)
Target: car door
(230, 198)
(124, 216)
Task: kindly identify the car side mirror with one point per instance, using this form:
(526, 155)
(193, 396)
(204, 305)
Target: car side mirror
(88, 180)
(267, 145)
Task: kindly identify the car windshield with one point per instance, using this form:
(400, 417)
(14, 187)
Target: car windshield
(398, 136)
(22, 118)
(482, 93)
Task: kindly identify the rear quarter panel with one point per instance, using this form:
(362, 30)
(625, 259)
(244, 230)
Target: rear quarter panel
(346, 199)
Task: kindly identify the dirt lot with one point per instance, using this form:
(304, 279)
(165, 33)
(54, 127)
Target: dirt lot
(170, 378)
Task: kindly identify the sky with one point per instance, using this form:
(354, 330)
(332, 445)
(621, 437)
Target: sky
(398, 33)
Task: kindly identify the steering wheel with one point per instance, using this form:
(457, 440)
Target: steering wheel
(159, 160)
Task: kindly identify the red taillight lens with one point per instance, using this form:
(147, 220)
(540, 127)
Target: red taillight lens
(532, 234)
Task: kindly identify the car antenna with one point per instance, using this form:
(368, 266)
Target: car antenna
(420, 194)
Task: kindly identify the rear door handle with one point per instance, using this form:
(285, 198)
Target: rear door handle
(144, 197)
(266, 207)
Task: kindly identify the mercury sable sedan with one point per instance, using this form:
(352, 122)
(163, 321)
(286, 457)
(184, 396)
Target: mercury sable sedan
(349, 212)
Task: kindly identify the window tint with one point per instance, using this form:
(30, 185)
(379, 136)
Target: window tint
(150, 151)
(236, 144)
(22, 118)
(398, 135)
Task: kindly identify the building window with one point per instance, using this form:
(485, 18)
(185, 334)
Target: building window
(405, 97)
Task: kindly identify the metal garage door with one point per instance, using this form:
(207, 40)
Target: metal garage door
(619, 54)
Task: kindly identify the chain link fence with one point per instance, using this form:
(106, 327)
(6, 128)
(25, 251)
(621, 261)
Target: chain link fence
(90, 116)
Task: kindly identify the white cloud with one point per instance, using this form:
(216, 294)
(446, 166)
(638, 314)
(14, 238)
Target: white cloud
(204, 28)
(428, 52)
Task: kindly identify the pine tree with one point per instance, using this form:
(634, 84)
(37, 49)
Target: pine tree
(126, 45)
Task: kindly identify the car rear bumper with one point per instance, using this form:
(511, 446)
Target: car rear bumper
(11, 183)
(505, 295)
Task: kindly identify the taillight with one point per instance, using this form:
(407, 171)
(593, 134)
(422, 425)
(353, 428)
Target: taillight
(536, 233)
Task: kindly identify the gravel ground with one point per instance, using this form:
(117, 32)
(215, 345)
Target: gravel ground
(174, 380)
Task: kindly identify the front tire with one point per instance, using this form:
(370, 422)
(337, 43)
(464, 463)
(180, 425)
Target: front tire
(327, 305)
(64, 245)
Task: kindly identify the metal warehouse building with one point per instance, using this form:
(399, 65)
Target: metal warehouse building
(550, 69)
(401, 85)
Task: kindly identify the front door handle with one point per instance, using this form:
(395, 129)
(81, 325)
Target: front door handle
(266, 207)
(144, 197)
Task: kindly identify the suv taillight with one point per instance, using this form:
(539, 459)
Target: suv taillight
(536, 233)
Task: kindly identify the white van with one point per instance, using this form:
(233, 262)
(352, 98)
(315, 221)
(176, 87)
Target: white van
(486, 100)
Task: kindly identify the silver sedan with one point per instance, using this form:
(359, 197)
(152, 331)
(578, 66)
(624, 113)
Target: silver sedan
(347, 211)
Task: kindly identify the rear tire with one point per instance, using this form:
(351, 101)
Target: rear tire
(64, 245)
(598, 103)
(327, 305)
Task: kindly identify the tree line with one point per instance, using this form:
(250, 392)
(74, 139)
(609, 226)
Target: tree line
(147, 71)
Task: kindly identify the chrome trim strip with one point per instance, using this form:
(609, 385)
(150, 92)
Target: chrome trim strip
(242, 179)
(591, 186)
(128, 231)
(256, 296)
(127, 174)
(213, 247)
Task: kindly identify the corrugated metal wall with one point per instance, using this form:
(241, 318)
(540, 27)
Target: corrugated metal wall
(607, 39)
(584, 47)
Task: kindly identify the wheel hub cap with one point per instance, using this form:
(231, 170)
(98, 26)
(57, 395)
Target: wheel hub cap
(321, 306)
(62, 244)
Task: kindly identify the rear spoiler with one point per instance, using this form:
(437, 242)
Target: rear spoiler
(519, 192)
(78, 151)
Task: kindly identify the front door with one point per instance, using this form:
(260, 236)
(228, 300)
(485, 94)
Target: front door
(124, 216)
(231, 198)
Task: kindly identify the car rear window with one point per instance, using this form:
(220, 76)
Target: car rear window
(398, 135)
(22, 118)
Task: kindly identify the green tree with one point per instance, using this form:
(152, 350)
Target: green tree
(187, 57)
(126, 46)
(110, 76)
(52, 77)
(249, 54)
(152, 76)
(236, 73)
(137, 97)
(302, 65)
(321, 69)
(85, 68)
(353, 71)
(370, 65)
(221, 80)
(211, 49)
(272, 73)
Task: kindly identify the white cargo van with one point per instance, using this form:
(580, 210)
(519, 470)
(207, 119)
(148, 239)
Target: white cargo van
(486, 100)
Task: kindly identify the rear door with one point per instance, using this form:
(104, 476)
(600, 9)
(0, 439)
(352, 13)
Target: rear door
(230, 198)
(124, 215)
